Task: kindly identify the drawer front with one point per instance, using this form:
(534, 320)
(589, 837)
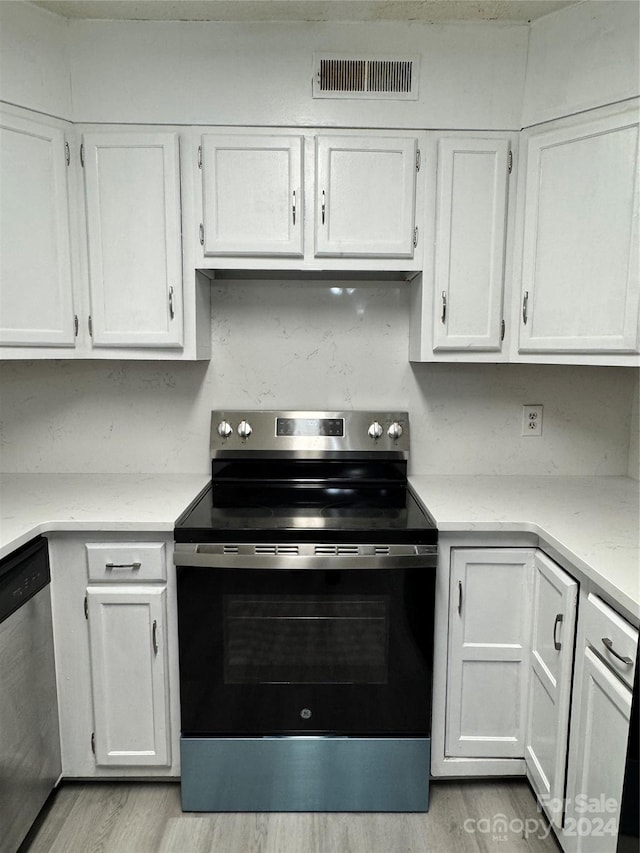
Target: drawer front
(612, 637)
(122, 561)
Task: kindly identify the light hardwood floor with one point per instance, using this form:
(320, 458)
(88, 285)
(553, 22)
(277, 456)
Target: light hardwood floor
(139, 817)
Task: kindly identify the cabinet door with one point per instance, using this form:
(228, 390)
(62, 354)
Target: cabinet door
(252, 195)
(365, 196)
(580, 239)
(489, 639)
(132, 187)
(127, 638)
(555, 595)
(597, 766)
(471, 210)
(36, 301)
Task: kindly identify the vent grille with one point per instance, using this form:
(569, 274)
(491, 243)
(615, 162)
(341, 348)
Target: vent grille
(365, 77)
(277, 550)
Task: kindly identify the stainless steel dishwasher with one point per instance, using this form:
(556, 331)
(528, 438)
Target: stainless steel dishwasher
(29, 732)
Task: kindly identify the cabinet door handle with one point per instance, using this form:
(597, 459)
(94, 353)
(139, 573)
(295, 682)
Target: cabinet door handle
(559, 620)
(323, 206)
(525, 305)
(135, 565)
(201, 230)
(154, 636)
(293, 207)
(609, 644)
(459, 597)
(443, 315)
(172, 312)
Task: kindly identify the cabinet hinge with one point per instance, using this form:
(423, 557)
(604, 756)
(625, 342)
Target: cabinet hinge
(502, 330)
(415, 237)
(67, 153)
(76, 325)
(90, 325)
(199, 156)
(93, 742)
(510, 161)
(82, 155)
(86, 607)
(418, 159)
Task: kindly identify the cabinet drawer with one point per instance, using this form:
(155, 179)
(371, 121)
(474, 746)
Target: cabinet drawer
(121, 561)
(612, 637)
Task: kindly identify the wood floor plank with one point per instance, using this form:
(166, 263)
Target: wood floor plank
(464, 817)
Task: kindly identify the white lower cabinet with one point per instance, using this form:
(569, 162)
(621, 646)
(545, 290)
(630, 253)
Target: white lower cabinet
(127, 643)
(599, 729)
(489, 619)
(555, 596)
(115, 636)
(530, 691)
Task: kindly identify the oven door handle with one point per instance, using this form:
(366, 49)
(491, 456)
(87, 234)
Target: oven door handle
(402, 556)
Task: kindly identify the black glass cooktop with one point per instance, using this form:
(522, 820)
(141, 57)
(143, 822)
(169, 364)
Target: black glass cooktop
(329, 514)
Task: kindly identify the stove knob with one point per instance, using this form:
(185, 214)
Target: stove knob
(395, 431)
(244, 429)
(375, 431)
(224, 429)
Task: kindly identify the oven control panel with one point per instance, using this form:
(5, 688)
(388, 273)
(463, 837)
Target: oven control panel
(309, 432)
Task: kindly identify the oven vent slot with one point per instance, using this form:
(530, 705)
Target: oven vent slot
(336, 550)
(277, 550)
(381, 549)
(230, 549)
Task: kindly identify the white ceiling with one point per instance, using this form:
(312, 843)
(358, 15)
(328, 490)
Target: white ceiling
(429, 11)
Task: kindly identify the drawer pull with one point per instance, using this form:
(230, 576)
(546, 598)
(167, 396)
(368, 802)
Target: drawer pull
(134, 566)
(609, 644)
(559, 619)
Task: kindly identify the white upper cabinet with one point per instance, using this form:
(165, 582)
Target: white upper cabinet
(252, 190)
(470, 233)
(365, 196)
(36, 297)
(580, 235)
(555, 596)
(132, 191)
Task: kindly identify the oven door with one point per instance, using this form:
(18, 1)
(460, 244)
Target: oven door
(311, 651)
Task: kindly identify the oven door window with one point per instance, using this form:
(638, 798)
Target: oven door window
(274, 639)
(270, 652)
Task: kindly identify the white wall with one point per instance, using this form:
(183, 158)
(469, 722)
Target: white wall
(228, 73)
(310, 344)
(34, 59)
(582, 57)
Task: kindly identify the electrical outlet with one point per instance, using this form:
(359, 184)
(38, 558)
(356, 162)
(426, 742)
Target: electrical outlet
(532, 420)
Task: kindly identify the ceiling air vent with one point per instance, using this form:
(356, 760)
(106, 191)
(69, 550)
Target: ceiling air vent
(365, 77)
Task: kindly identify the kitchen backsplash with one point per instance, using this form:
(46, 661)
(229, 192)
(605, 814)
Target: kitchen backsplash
(314, 344)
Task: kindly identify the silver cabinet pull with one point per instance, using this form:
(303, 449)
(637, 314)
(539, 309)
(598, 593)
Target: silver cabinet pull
(443, 316)
(134, 565)
(459, 597)
(172, 312)
(323, 206)
(525, 303)
(609, 644)
(154, 636)
(293, 207)
(201, 234)
(559, 620)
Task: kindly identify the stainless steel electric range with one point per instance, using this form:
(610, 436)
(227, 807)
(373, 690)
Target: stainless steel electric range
(306, 575)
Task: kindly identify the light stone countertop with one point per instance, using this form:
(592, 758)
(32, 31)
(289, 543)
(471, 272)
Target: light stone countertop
(41, 503)
(593, 523)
